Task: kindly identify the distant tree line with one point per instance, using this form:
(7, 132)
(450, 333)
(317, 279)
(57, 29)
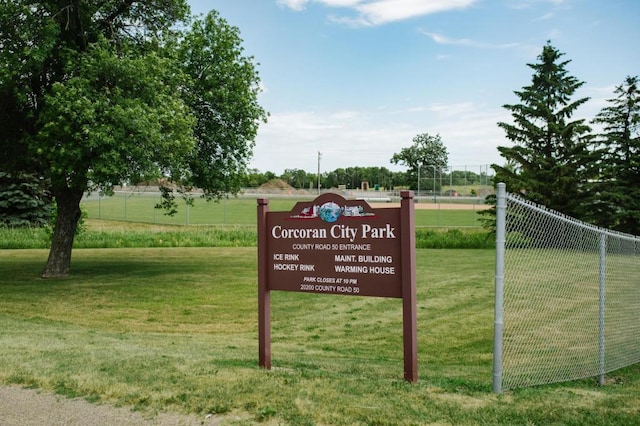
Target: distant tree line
(376, 177)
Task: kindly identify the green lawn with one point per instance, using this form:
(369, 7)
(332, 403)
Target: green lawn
(176, 329)
(137, 207)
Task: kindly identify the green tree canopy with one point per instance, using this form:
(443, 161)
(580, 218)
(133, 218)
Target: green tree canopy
(96, 94)
(616, 192)
(426, 155)
(223, 96)
(550, 161)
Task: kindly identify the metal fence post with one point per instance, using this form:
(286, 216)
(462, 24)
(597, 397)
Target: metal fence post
(498, 321)
(601, 325)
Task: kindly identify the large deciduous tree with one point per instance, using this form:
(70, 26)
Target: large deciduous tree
(616, 192)
(96, 94)
(550, 161)
(222, 94)
(426, 155)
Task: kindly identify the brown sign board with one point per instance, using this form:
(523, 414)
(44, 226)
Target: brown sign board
(333, 245)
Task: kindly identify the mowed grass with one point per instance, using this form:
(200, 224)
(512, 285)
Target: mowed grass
(552, 302)
(115, 234)
(139, 207)
(176, 329)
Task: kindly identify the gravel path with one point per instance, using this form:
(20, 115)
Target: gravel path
(29, 407)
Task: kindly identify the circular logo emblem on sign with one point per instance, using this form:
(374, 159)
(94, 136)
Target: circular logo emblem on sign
(329, 212)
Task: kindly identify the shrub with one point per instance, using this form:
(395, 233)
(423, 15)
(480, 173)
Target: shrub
(23, 200)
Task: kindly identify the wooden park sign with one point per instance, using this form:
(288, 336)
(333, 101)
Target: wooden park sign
(337, 246)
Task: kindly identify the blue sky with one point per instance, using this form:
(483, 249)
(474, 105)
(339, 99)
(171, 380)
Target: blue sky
(357, 79)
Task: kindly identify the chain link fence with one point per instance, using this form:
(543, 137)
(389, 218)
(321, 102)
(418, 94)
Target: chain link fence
(567, 297)
(139, 205)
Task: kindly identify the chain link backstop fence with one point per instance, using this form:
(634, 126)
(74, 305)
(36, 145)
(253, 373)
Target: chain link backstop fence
(567, 297)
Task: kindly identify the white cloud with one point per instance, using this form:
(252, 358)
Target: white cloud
(417, 109)
(385, 11)
(450, 110)
(598, 99)
(442, 39)
(544, 17)
(369, 138)
(346, 138)
(380, 12)
(344, 115)
(529, 4)
(350, 22)
(340, 3)
(296, 5)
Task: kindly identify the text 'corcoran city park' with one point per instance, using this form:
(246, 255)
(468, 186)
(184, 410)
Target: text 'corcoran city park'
(365, 231)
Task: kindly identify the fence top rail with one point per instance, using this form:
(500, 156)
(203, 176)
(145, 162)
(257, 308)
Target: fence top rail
(567, 219)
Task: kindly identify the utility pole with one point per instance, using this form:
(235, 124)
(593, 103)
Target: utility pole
(434, 183)
(319, 157)
(418, 193)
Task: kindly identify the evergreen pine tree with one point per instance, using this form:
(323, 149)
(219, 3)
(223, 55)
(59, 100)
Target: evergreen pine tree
(616, 192)
(550, 161)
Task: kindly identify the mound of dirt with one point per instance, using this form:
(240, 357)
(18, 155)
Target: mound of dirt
(276, 184)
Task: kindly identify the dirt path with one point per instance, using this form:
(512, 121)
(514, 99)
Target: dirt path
(30, 407)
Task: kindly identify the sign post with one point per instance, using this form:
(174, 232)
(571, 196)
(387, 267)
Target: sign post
(264, 297)
(337, 246)
(409, 318)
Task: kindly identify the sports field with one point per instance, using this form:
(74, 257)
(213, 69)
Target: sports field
(139, 207)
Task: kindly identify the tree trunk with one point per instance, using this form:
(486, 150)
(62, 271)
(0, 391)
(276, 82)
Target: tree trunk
(68, 205)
